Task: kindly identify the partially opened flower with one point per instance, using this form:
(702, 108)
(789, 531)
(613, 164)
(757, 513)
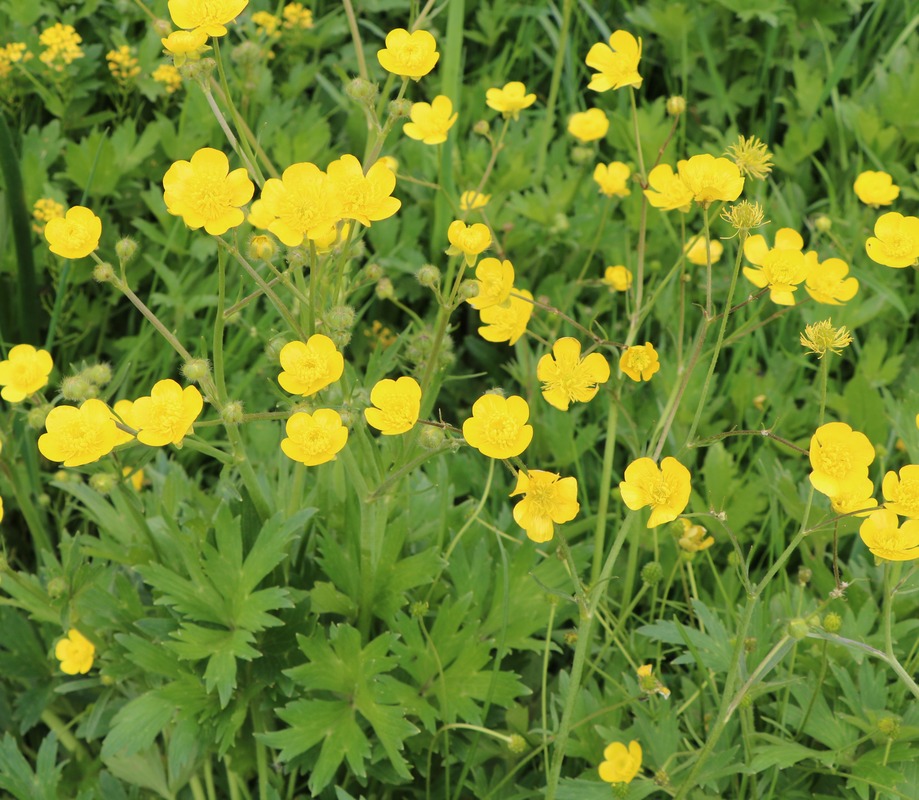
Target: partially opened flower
(497, 427)
(621, 764)
(618, 278)
(895, 242)
(24, 372)
(495, 281)
(887, 539)
(781, 268)
(640, 362)
(310, 366)
(210, 15)
(695, 251)
(315, 438)
(827, 281)
(616, 63)
(711, 179)
(613, 179)
(468, 241)
(668, 192)
(588, 126)
(303, 202)
(409, 55)
(648, 682)
(548, 501)
(567, 378)
(397, 405)
(507, 323)
(901, 491)
(185, 45)
(75, 652)
(840, 458)
(876, 188)
(78, 436)
(365, 198)
(167, 414)
(430, 122)
(75, 235)
(695, 538)
(666, 489)
(509, 100)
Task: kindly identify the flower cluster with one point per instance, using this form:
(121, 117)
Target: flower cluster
(12, 53)
(61, 46)
(123, 64)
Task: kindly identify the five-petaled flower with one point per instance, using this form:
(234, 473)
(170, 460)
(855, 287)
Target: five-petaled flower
(303, 203)
(24, 372)
(472, 200)
(840, 458)
(588, 126)
(781, 268)
(666, 489)
(397, 405)
(876, 188)
(895, 242)
(167, 414)
(409, 55)
(827, 281)
(509, 100)
(497, 427)
(640, 362)
(887, 539)
(314, 438)
(77, 436)
(621, 764)
(567, 378)
(430, 122)
(468, 241)
(711, 179)
(75, 235)
(75, 652)
(901, 491)
(616, 63)
(211, 16)
(310, 366)
(613, 179)
(548, 501)
(365, 198)
(507, 323)
(495, 280)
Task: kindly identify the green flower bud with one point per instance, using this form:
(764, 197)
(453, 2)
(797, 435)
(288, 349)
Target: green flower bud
(36, 416)
(428, 276)
(400, 108)
(517, 744)
(103, 273)
(103, 482)
(804, 576)
(676, 105)
(418, 609)
(889, 726)
(468, 289)
(746, 701)
(232, 413)
(430, 438)
(196, 369)
(652, 573)
(261, 248)
(340, 318)
(99, 374)
(162, 27)
(481, 128)
(832, 622)
(373, 272)
(56, 587)
(125, 249)
(384, 289)
(583, 155)
(823, 223)
(77, 388)
(798, 628)
(361, 90)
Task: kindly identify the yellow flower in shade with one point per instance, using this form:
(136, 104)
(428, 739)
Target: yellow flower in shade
(472, 200)
(296, 16)
(185, 45)
(647, 681)
(621, 764)
(124, 413)
(667, 192)
(259, 215)
(887, 539)
(588, 126)
(495, 280)
(510, 100)
(169, 76)
(431, 121)
(205, 193)
(332, 238)
(640, 362)
(365, 198)
(781, 269)
(75, 652)
(398, 404)
(76, 234)
(77, 436)
(666, 489)
(409, 55)
(567, 378)
(303, 202)
(507, 323)
(901, 492)
(840, 458)
(616, 63)
(167, 414)
(123, 64)
(710, 179)
(618, 278)
(821, 338)
(695, 538)
(895, 242)
(209, 15)
(695, 251)
(314, 438)
(548, 501)
(613, 178)
(24, 372)
(310, 366)
(266, 24)
(497, 427)
(857, 497)
(876, 189)
(468, 241)
(826, 281)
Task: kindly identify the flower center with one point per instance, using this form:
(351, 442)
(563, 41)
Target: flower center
(640, 360)
(660, 493)
(542, 498)
(316, 441)
(309, 368)
(781, 267)
(77, 235)
(908, 495)
(412, 54)
(83, 438)
(25, 374)
(210, 197)
(835, 460)
(501, 429)
(899, 245)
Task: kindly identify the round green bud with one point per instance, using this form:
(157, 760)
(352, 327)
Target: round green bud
(400, 109)
(652, 573)
(560, 223)
(583, 155)
(823, 223)
(481, 128)
(246, 54)
(468, 289)
(196, 369)
(125, 249)
(56, 587)
(733, 559)
(430, 438)
(341, 338)
(99, 374)
(340, 318)
(832, 622)
(889, 726)
(676, 105)
(373, 271)
(571, 638)
(428, 276)
(804, 576)
(103, 273)
(261, 247)
(798, 628)
(36, 416)
(516, 743)
(77, 388)
(44, 500)
(418, 609)
(232, 413)
(384, 289)
(361, 90)
(103, 482)
(162, 27)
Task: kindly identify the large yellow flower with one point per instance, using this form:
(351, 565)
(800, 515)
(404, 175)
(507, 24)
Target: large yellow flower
(430, 122)
(76, 234)
(666, 489)
(314, 438)
(209, 15)
(887, 539)
(409, 55)
(901, 492)
(567, 378)
(167, 414)
(77, 436)
(588, 126)
(497, 427)
(827, 281)
(495, 281)
(397, 405)
(668, 192)
(616, 63)
(310, 366)
(304, 203)
(781, 269)
(895, 242)
(548, 500)
(365, 198)
(24, 372)
(840, 458)
(710, 179)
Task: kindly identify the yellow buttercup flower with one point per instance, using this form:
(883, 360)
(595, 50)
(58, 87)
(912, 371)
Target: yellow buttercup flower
(365, 198)
(567, 378)
(303, 203)
(613, 178)
(185, 45)
(901, 491)
(468, 241)
(887, 539)
(507, 323)
(77, 436)
(205, 193)
(409, 55)
(711, 179)
(495, 280)
(75, 652)
(497, 427)
(895, 242)
(509, 100)
(695, 538)
(695, 251)
(548, 501)
(167, 414)
(76, 234)
(124, 413)
(666, 489)
(588, 126)
(211, 16)
(840, 458)
(668, 192)
(315, 438)
(781, 269)
(858, 496)
(876, 188)
(826, 281)
(472, 200)
(640, 362)
(398, 404)
(616, 63)
(618, 278)
(24, 372)
(621, 764)
(430, 122)
(310, 366)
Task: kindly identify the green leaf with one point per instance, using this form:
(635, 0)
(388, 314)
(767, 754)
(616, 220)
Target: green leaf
(137, 724)
(221, 649)
(17, 777)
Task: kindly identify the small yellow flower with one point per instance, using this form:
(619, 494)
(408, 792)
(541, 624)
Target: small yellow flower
(640, 362)
(167, 414)
(310, 366)
(711, 179)
(618, 278)
(895, 242)
(62, 46)
(495, 280)
(613, 179)
(826, 281)
(398, 404)
(781, 269)
(314, 438)
(588, 126)
(266, 24)
(409, 55)
(509, 100)
(297, 17)
(75, 652)
(647, 681)
(694, 538)
(303, 203)
(507, 323)
(548, 501)
(667, 192)
(169, 76)
(497, 427)
(76, 234)
(666, 489)
(365, 198)
(205, 193)
(621, 764)
(821, 338)
(887, 539)
(77, 436)
(430, 122)
(24, 372)
(468, 241)
(123, 64)
(695, 251)
(616, 63)
(901, 492)
(840, 458)
(876, 189)
(473, 200)
(211, 16)
(567, 378)
(124, 413)
(185, 45)
(752, 157)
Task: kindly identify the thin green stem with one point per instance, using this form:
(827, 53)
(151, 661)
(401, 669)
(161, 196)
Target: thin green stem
(234, 113)
(356, 38)
(548, 124)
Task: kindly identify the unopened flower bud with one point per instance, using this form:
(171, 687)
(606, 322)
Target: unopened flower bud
(341, 339)
(99, 374)
(482, 128)
(384, 289)
(583, 155)
(232, 413)
(373, 272)
(77, 388)
(399, 109)
(163, 27)
(832, 622)
(430, 437)
(468, 289)
(103, 482)
(418, 609)
(571, 638)
(56, 587)
(889, 726)
(428, 276)
(125, 249)
(361, 90)
(560, 223)
(652, 573)
(823, 223)
(261, 248)
(196, 369)
(340, 318)
(516, 743)
(804, 576)
(676, 105)
(103, 273)
(798, 628)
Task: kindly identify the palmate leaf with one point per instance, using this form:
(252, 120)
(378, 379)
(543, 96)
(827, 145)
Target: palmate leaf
(17, 777)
